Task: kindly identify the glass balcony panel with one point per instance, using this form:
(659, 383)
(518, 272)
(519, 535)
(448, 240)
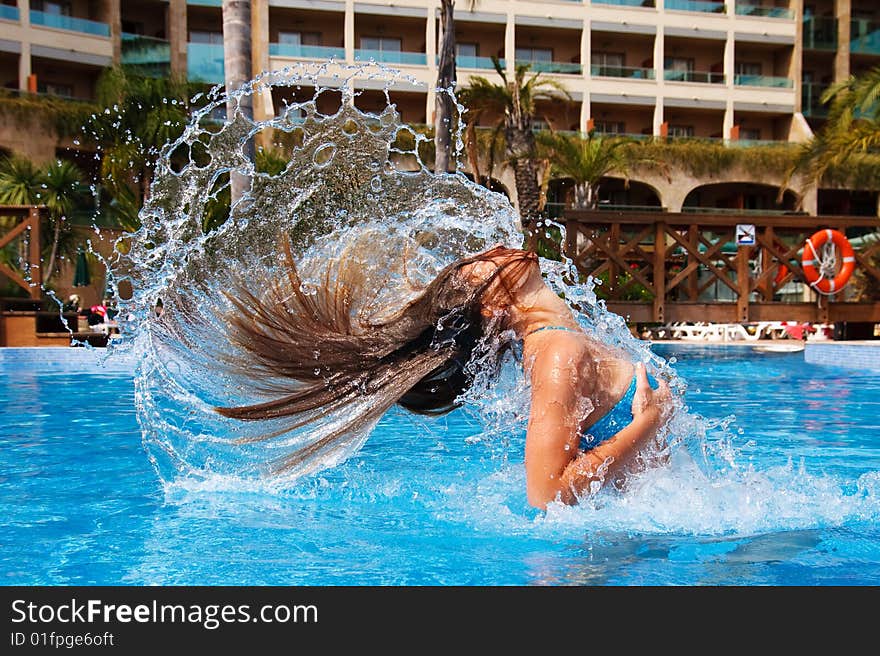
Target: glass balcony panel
(8, 13)
(205, 62)
(69, 23)
(695, 5)
(864, 37)
(706, 77)
(632, 72)
(392, 57)
(298, 51)
(763, 81)
(764, 12)
(552, 67)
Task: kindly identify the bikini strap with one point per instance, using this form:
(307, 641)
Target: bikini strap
(537, 330)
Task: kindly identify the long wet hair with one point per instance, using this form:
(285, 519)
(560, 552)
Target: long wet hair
(307, 350)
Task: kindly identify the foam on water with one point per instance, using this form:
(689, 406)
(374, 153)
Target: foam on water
(355, 182)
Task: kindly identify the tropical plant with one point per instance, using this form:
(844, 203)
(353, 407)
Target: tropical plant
(142, 114)
(515, 101)
(851, 136)
(586, 160)
(60, 187)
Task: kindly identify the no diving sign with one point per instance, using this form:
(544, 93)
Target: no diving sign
(745, 234)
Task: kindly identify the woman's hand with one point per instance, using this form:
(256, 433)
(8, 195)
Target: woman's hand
(652, 406)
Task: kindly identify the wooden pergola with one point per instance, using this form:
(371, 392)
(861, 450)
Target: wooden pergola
(27, 225)
(673, 258)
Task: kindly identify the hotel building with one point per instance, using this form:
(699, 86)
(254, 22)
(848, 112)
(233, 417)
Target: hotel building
(733, 71)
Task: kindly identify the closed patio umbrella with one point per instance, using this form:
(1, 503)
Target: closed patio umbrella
(81, 276)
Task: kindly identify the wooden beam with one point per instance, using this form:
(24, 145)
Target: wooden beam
(743, 283)
(659, 272)
(34, 255)
(804, 221)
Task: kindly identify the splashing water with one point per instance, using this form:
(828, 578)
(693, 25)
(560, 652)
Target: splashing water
(353, 183)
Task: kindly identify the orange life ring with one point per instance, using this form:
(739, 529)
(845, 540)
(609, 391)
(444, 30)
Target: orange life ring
(810, 261)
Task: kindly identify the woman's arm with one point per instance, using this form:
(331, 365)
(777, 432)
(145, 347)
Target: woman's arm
(556, 468)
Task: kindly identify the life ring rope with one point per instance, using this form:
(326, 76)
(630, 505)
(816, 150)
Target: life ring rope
(821, 269)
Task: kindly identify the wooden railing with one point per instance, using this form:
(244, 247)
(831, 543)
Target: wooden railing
(32, 280)
(669, 283)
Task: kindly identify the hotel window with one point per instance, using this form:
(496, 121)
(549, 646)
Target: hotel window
(466, 50)
(54, 8)
(299, 38)
(53, 89)
(748, 68)
(608, 63)
(534, 55)
(609, 127)
(678, 68)
(680, 131)
(380, 44)
(750, 134)
(198, 36)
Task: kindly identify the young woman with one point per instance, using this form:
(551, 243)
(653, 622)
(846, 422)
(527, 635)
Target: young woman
(593, 415)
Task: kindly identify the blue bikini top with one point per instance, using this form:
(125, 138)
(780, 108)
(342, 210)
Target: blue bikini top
(615, 419)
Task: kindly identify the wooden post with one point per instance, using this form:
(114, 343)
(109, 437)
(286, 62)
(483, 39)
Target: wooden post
(34, 258)
(659, 271)
(569, 246)
(743, 282)
(693, 278)
(613, 244)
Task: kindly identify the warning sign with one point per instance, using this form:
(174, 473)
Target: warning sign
(745, 234)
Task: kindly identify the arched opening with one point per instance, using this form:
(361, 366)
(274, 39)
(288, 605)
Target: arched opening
(737, 197)
(614, 193)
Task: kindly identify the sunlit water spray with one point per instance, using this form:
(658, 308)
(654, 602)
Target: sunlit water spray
(352, 181)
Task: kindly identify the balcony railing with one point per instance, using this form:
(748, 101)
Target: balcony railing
(631, 72)
(763, 81)
(551, 67)
(8, 13)
(628, 3)
(695, 5)
(811, 105)
(820, 33)
(392, 57)
(705, 77)
(69, 23)
(205, 62)
(864, 37)
(764, 12)
(306, 52)
(139, 50)
(469, 61)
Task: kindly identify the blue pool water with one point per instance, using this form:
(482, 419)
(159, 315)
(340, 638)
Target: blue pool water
(790, 495)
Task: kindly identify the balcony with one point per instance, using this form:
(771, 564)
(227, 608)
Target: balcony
(205, 62)
(69, 23)
(629, 72)
(8, 13)
(551, 67)
(820, 33)
(296, 51)
(704, 77)
(145, 51)
(482, 63)
(864, 37)
(695, 5)
(764, 12)
(763, 81)
(811, 105)
(392, 57)
(627, 3)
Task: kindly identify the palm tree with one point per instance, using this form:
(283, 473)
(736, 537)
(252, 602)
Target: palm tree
(237, 71)
(515, 102)
(852, 129)
(60, 187)
(444, 107)
(588, 159)
(147, 113)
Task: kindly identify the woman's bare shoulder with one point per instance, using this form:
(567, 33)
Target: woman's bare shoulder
(555, 352)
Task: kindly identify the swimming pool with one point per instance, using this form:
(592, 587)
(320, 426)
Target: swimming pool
(794, 498)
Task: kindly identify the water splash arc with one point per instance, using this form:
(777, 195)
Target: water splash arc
(345, 181)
